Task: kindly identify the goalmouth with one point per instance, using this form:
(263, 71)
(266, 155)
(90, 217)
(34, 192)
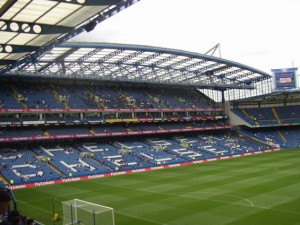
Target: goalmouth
(79, 212)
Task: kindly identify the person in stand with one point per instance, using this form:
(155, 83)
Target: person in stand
(13, 218)
(30, 222)
(5, 200)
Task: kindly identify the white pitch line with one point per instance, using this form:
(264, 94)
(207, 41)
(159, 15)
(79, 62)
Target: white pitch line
(235, 196)
(232, 203)
(140, 218)
(235, 203)
(34, 206)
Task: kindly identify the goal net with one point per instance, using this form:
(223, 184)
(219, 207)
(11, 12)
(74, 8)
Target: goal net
(78, 212)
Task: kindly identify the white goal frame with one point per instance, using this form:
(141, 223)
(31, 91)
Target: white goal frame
(73, 210)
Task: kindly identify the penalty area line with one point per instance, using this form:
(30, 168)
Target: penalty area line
(140, 218)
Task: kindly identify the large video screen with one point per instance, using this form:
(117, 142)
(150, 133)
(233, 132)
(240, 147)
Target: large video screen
(285, 78)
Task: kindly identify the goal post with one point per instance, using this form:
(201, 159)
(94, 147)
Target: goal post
(79, 212)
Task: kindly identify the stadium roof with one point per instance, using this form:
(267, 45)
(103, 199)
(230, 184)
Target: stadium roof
(34, 43)
(30, 27)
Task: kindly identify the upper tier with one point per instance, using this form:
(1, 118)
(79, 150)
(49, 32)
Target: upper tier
(35, 97)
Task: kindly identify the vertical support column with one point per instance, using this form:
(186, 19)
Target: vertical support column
(223, 97)
(94, 218)
(72, 222)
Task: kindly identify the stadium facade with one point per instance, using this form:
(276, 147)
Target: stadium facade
(71, 111)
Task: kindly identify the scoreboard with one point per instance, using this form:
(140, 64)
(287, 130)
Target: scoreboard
(285, 78)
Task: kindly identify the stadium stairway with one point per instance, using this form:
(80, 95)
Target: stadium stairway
(281, 135)
(56, 95)
(92, 132)
(92, 95)
(184, 103)
(276, 116)
(151, 96)
(16, 94)
(160, 128)
(156, 99)
(48, 164)
(255, 121)
(125, 97)
(3, 180)
(250, 137)
(238, 120)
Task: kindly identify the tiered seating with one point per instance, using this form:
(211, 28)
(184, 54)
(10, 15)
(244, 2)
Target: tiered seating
(21, 166)
(9, 134)
(267, 136)
(140, 99)
(193, 99)
(254, 116)
(267, 116)
(183, 147)
(67, 130)
(69, 161)
(289, 114)
(234, 145)
(264, 116)
(165, 98)
(77, 97)
(38, 96)
(152, 153)
(143, 127)
(167, 126)
(53, 96)
(292, 137)
(115, 158)
(7, 100)
(109, 97)
(81, 159)
(239, 113)
(18, 132)
(109, 129)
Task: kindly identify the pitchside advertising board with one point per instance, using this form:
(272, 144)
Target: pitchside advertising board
(285, 78)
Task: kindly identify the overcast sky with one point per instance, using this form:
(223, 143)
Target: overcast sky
(264, 34)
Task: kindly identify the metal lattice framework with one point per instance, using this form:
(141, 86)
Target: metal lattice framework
(34, 38)
(142, 64)
(29, 28)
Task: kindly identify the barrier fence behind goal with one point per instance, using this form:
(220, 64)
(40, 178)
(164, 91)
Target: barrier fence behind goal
(79, 212)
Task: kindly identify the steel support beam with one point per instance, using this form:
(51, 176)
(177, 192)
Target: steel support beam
(100, 17)
(88, 2)
(4, 48)
(32, 28)
(8, 4)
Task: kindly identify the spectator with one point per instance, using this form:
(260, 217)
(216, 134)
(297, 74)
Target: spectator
(5, 199)
(13, 218)
(30, 222)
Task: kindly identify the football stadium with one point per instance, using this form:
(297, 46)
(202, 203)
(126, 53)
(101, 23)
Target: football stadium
(96, 133)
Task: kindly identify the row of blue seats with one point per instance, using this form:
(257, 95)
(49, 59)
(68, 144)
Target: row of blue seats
(284, 137)
(268, 116)
(69, 130)
(50, 96)
(25, 165)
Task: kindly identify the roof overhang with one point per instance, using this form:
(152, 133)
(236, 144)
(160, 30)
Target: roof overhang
(29, 28)
(139, 64)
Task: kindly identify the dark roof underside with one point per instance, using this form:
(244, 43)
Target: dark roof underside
(29, 28)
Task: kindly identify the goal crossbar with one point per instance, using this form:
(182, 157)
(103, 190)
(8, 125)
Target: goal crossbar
(81, 212)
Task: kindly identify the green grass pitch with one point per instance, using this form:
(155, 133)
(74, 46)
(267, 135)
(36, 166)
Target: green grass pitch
(260, 189)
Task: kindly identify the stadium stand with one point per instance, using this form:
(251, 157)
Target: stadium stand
(70, 110)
